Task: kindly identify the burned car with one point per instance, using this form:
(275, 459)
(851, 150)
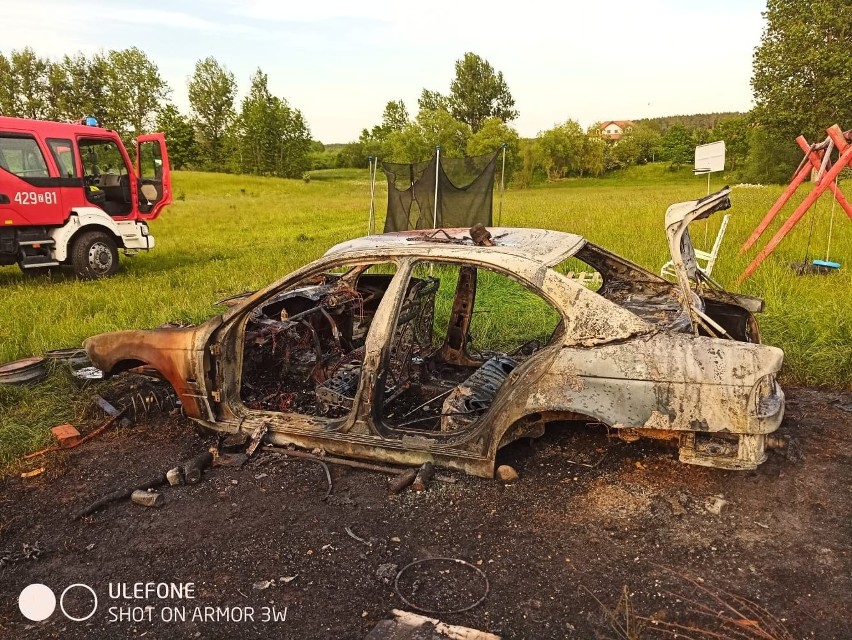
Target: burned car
(445, 345)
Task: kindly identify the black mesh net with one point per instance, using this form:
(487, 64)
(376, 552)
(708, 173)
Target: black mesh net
(465, 193)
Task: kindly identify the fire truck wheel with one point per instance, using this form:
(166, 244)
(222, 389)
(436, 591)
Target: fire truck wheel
(94, 255)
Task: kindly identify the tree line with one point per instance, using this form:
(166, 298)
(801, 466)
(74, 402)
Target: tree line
(800, 83)
(124, 91)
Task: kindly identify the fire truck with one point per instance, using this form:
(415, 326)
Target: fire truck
(70, 195)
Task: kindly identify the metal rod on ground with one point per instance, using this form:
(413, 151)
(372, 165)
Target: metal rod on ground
(502, 187)
(347, 463)
(437, 173)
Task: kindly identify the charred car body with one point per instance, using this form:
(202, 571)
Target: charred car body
(374, 351)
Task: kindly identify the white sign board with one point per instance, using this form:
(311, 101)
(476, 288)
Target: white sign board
(710, 158)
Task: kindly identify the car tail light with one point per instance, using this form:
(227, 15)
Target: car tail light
(766, 398)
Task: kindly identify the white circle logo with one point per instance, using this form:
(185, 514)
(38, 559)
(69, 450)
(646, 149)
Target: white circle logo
(37, 602)
(62, 598)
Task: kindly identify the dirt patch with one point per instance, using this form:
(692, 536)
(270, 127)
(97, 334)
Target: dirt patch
(588, 518)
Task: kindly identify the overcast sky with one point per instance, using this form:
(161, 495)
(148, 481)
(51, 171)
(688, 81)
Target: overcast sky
(340, 62)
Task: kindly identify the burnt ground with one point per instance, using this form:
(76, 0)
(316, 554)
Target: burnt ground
(564, 549)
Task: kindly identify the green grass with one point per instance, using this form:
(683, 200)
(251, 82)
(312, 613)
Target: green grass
(228, 234)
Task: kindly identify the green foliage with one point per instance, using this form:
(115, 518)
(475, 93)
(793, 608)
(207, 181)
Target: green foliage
(801, 68)
(561, 149)
(691, 122)
(80, 87)
(25, 90)
(594, 155)
(478, 92)
(134, 90)
(417, 141)
(771, 158)
(677, 146)
(322, 159)
(180, 137)
(269, 137)
(394, 118)
(735, 132)
(212, 89)
(432, 101)
(373, 143)
(491, 137)
(353, 155)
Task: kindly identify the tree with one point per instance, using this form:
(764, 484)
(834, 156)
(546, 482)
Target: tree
(417, 141)
(734, 131)
(180, 136)
(647, 141)
(8, 89)
(23, 87)
(562, 149)
(593, 159)
(83, 79)
(373, 142)
(478, 92)
(491, 137)
(432, 101)
(770, 158)
(801, 68)
(395, 116)
(270, 137)
(135, 90)
(212, 89)
(677, 146)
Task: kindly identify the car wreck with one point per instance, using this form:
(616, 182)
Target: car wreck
(445, 345)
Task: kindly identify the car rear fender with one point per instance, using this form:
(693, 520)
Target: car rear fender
(666, 382)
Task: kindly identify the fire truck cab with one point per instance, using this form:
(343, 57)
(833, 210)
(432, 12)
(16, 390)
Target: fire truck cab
(70, 195)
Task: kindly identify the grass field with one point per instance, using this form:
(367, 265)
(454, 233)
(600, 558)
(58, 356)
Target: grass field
(227, 234)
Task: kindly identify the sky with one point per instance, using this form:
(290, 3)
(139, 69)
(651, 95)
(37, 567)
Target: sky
(340, 62)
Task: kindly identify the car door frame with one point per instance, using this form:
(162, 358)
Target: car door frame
(228, 344)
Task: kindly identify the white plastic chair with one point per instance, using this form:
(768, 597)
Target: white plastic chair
(709, 258)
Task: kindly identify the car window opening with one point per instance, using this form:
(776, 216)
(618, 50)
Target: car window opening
(459, 333)
(467, 329)
(304, 347)
(105, 175)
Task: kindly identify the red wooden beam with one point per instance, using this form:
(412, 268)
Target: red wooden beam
(840, 141)
(844, 159)
(803, 172)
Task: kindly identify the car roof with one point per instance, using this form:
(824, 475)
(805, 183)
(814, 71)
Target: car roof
(540, 245)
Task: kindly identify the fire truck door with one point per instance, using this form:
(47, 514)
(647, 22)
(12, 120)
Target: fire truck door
(29, 193)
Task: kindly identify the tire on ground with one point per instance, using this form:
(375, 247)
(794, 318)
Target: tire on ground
(94, 255)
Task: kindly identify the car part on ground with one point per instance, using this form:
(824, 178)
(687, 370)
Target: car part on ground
(24, 371)
(425, 346)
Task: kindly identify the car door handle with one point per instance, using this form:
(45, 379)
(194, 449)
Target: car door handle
(4, 199)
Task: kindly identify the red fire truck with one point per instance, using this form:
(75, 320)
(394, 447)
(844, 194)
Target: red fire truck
(70, 195)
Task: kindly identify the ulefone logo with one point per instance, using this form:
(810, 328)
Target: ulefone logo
(38, 602)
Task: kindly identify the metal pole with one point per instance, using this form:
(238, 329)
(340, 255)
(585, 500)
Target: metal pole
(502, 186)
(830, 226)
(706, 220)
(375, 173)
(437, 173)
(370, 224)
